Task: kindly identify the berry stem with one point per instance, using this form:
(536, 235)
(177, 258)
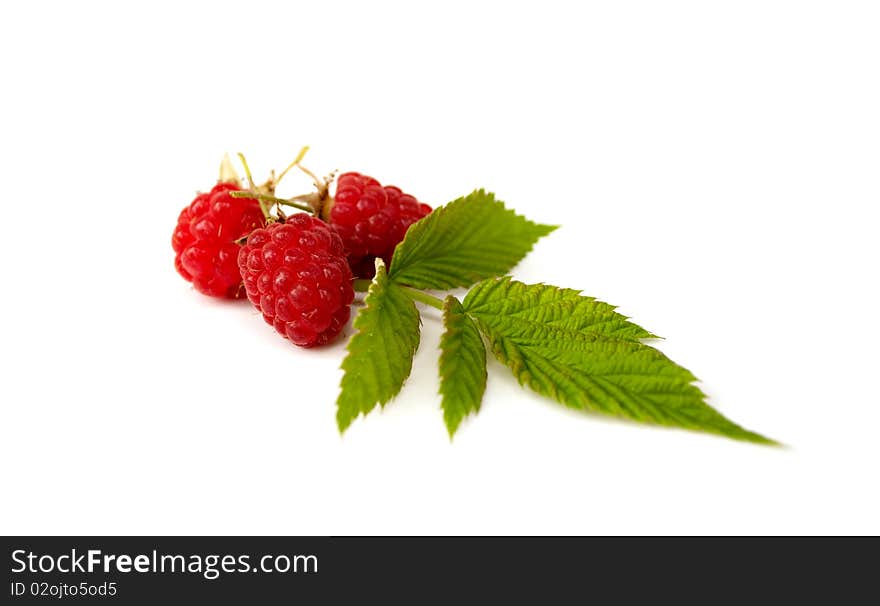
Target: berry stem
(423, 297)
(270, 199)
(253, 187)
(247, 171)
(318, 183)
(299, 158)
(293, 203)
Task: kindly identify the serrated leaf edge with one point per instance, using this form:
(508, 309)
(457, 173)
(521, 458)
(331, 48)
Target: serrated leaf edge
(345, 420)
(450, 357)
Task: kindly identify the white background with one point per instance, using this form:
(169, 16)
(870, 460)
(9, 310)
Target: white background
(715, 170)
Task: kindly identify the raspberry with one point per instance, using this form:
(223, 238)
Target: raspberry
(370, 219)
(296, 274)
(205, 240)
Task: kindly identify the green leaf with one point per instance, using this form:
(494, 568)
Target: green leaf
(380, 354)
(590, 364)
(462, 365)
(463, 242)
(521, 306)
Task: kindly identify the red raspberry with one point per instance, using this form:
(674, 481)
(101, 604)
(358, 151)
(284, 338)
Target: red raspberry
(370, 219)
(296, 274)
(205, 240)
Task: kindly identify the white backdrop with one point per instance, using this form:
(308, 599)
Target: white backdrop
(715, 170)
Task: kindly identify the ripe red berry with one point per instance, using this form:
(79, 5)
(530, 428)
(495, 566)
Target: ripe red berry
(205, 240)
(296, 274)
(370, 219)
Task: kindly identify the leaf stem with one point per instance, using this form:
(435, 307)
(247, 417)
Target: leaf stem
(423, 297)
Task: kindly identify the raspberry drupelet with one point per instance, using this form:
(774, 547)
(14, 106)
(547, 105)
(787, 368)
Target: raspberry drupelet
(296, 274)
(205, 240)
(371, 219)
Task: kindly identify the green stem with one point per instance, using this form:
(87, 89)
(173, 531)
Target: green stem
(272, 199)
(293, 204)
(247, 170)
(252, 185)
(423, 297)
(360, 285)
(299, 158)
